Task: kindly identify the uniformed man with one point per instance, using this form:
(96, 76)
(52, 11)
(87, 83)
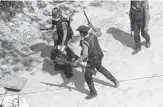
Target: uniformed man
(61, 38)
(92, 52)
(139, 16)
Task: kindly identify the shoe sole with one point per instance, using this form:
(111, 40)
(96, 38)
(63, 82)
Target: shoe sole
(90, 97)
(135, 52)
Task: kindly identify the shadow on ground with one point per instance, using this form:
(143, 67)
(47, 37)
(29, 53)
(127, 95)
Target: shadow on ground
(45, 51)
(123, 37)
(79, 82)
(96, 4)
(43, 48)
(75, 38)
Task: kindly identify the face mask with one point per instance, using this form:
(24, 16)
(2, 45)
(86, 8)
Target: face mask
(56, 16)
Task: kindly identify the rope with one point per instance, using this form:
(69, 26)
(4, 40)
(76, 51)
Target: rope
(134, 79)
(35, 92)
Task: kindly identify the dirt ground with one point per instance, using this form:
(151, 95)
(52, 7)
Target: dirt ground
(26, 52)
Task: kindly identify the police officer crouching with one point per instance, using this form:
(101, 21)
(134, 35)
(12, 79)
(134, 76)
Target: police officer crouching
(92, 52)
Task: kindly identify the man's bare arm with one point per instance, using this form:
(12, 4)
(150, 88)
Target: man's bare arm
(64, 33)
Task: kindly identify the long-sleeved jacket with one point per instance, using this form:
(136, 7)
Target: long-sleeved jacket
(90, 45)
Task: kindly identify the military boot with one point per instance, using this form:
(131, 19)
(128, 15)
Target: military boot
(92, 93)
(69, 75)
(138, 48)
(148, 44)
(116, 83)
(68, 71)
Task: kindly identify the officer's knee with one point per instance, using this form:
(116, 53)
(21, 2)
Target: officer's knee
(144, 33)
(98, 67)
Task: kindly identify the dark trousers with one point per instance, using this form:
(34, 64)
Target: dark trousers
(93, 63)
(137, 28)
(70, 55)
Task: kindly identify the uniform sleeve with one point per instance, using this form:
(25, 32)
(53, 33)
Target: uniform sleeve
(84, 53)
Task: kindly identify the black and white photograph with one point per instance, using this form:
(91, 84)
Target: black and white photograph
(82, 53)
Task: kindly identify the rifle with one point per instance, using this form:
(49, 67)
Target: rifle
(86, 17)
(94, 29)
(46, 29)
(63, 59)
(80, 65)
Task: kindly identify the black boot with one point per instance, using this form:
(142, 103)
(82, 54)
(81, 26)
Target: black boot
(68, 71)
(69, 75)
(116, 83)
(138, 48)
(109, 76)
(148, 44)
(136, 51)
(91, 95)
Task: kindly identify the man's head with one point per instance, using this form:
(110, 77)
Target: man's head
(83, 30)
(56, 13)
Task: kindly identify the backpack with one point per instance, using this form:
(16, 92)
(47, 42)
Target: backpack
(137, 9)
